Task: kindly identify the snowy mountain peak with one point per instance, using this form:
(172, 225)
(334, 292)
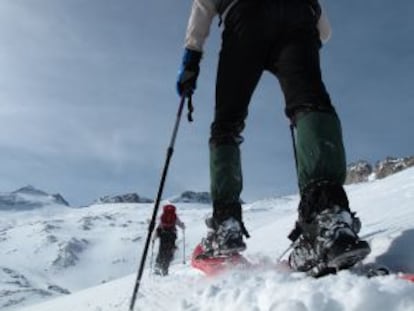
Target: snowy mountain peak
(123, 198)
(29, 198)
(29, 189)
(192, 197)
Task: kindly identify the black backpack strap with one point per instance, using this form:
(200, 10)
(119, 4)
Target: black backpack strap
(224, 8)
(316, 8)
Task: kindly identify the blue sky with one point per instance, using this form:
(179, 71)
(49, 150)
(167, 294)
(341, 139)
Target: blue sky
(88, 102)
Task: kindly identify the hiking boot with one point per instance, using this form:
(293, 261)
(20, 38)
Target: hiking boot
(223, 238)
(329, 243)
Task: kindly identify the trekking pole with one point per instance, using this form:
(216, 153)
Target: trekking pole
(284, 253)
(170, 152)
(183, 246)
(152, 256)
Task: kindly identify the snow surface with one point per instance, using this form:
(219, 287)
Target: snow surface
(112, 253)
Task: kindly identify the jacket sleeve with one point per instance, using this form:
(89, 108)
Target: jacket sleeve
(179, 223)
(325, 30)
(198, 28)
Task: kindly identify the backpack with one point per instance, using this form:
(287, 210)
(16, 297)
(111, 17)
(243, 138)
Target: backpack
(168, 217)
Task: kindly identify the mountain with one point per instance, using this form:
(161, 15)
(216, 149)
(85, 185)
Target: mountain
(192, 197)
(185, 197)
(29, 198)
(123, 198)
(362, 171)
(93, 254)
(392, 165)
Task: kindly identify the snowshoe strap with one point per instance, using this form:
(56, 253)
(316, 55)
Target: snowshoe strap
(296, 232)
(244, 230)
(190, 109)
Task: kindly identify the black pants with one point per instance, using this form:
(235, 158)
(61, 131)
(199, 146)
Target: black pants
(275, 35)
(279, 36)
(165, 251)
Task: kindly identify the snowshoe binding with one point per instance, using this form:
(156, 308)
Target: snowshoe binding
(326, 234)
(335, 246)
(223, 238)
(221, 247)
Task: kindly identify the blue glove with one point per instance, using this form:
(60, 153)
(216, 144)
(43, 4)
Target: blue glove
(188, 73)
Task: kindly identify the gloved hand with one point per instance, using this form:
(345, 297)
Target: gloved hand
(188, 73)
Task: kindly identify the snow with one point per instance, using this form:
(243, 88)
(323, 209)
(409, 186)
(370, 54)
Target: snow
(115, 235)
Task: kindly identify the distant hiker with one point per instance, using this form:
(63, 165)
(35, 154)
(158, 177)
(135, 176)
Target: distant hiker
(282, 37)
(166, 231)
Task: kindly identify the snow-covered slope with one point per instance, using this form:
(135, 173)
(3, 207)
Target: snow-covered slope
(52, 251)
(111, 237)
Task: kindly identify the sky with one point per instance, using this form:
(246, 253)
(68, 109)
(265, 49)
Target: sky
(88, 100)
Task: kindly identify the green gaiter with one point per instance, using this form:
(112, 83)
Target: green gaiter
(319, 148)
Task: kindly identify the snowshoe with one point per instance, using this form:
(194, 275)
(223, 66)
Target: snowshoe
(328, 244)
(211, 264)
(223, 238)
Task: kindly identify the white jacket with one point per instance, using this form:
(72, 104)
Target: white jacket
(203, 12)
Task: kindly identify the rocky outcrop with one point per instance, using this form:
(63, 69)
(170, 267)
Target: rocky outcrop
(363, 171)
(392, 165)
(358, 172)
(192, 197)
(69, 252)
(123, 198)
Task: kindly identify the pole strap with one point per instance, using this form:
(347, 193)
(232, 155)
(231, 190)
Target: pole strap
(190, 108)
